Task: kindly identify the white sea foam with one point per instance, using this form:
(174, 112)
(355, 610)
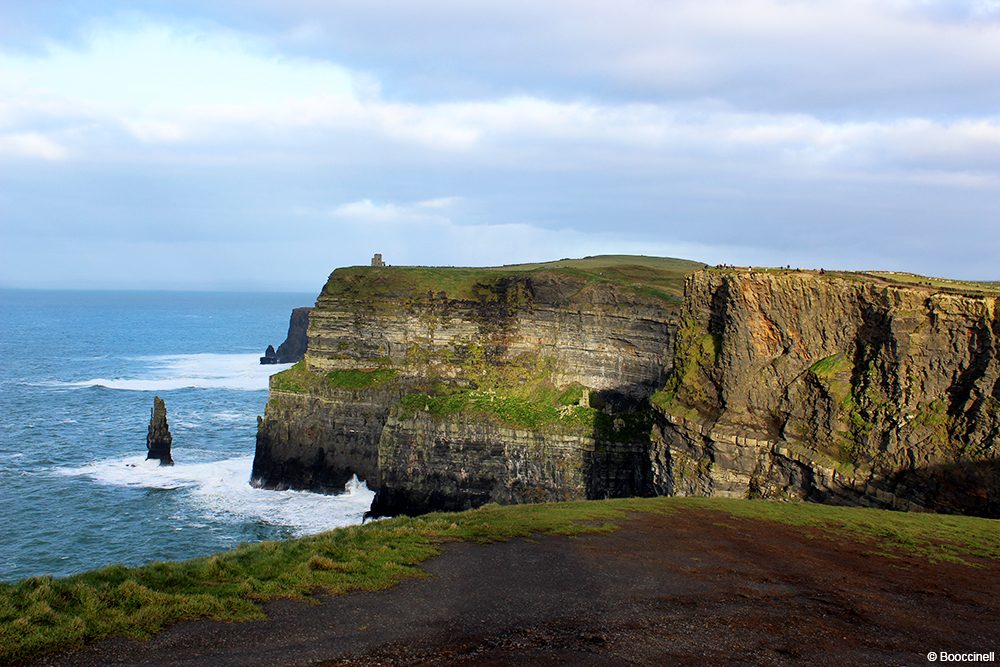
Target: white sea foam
(232, 416)
(242, 372)
(220, 491)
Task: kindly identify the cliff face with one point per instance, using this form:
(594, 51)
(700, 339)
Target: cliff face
(503, 386)
(466, 461)
(450, 388)
(599, 335)
(836, 388)
(293, 349)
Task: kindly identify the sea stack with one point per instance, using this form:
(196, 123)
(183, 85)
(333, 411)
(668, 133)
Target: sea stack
(294, 347)
(270, 356)
(158, 438)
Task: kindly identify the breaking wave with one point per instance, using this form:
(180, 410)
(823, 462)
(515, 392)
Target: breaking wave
(220, 491)
(241, 372)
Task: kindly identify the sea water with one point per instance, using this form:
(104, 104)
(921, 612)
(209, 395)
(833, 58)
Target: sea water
(78, 372)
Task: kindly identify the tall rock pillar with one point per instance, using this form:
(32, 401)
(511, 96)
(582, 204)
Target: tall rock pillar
(158, 438)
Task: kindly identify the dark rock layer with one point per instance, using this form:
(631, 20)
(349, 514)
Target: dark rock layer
(293, 349)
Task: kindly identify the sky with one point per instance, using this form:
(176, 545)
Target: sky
(258, 145)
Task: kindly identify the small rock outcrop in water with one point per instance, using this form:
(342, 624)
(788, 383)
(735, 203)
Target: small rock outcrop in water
(158, 439)
(294, 347)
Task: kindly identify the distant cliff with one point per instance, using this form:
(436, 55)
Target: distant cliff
(294, 347)
(612, 376)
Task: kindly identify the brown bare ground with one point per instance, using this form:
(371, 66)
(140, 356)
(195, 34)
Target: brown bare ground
(693, 588)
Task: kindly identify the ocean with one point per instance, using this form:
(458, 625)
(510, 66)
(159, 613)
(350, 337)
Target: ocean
(79, 373)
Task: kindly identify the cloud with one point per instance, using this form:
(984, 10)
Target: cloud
(302, 134)
(810, 56)
(132, 88)
(32, 146)
(367, 211)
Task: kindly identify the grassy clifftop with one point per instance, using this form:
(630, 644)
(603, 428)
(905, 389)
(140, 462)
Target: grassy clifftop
(43, 614)
(659, 277)
(885, 278)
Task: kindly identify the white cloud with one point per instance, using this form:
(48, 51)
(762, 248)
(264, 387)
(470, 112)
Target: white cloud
(153, 131)
(774, 55)
(131, 88)
(818, 127)
(31, 145)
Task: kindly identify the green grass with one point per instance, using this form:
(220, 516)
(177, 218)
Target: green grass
(696, 353)
(967, 287)
(896, 278)
(659, 278)
(300, 380)
(935, 537)
(513, 411)
(357, 379)
(539, 408)
(831, 366)
(43, 614)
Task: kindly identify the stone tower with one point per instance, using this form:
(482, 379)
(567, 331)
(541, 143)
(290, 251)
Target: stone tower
(377, 259)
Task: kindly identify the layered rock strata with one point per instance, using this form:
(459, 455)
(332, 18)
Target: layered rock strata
(531, 384)
(833, 388)
(450, 388)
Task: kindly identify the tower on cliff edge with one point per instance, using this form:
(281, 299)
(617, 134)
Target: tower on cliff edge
(377, 260)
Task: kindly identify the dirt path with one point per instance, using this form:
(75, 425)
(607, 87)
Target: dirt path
(695, 588)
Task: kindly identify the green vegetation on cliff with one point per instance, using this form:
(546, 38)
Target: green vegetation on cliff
(696, 352)
(42, 614)
(831, 366)
(300, 380)
(545, 411)
(660, 278)
(520, 394)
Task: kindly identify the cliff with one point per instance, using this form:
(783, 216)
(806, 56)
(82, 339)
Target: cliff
(293, 349)
(833, 387)
(616, 376)
(448, 388)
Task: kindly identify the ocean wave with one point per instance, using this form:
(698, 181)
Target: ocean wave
(241, 372)
(220, 491)
(230, 417)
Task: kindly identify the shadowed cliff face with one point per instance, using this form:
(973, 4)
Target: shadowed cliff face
(293, 348)
(795, 384)
(501, 388)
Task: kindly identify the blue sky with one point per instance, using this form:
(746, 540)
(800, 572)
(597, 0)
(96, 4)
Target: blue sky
(258, 145)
